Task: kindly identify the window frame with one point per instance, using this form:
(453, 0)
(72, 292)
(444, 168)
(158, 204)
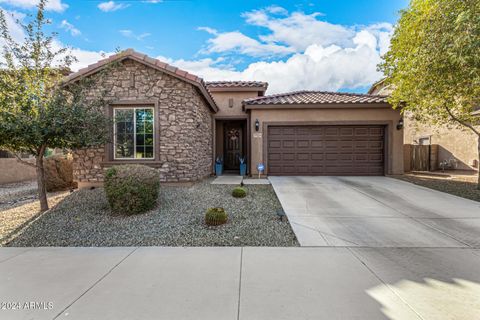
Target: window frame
(134, 108)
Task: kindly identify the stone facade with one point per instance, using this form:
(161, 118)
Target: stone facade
(183, 124)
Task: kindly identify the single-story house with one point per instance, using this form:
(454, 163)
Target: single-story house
(174, 121)
(454, 146)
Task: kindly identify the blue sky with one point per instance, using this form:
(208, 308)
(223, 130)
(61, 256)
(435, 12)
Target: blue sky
(322, 45)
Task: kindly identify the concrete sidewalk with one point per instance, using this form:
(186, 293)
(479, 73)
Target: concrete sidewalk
(240, 283)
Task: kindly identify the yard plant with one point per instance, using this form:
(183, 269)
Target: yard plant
(239, 192)
(433, 64)
(37, 111)
(132, 189)
(215, 216)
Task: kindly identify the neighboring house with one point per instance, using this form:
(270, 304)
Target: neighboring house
(456, 146)
(174, 121)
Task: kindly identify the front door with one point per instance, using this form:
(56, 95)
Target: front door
(233, 145)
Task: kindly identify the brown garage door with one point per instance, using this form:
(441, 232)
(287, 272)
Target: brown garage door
(325, 150)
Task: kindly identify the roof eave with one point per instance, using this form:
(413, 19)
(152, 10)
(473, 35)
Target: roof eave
(376, 105)
(144, 59)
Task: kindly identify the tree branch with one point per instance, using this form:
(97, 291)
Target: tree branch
(463, 123)
(19, 159)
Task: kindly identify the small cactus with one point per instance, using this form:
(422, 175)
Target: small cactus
(215, 216)
(239, 192)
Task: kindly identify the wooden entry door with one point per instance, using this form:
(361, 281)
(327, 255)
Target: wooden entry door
(233, 146)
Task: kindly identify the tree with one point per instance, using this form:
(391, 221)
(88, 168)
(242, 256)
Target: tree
(36, 111)
(434, 63)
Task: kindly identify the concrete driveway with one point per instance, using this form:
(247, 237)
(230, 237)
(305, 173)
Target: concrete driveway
(376, 212)
(381, 249)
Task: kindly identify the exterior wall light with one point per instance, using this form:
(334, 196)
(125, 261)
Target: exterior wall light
(257, 125)
(400, 124)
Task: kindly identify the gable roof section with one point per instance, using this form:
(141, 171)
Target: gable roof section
(150, 62)
(310, 98)
(237, 85)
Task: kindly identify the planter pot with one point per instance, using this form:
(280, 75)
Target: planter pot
(243, 169)
(218, 169)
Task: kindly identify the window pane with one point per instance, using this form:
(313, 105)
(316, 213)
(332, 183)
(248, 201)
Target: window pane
(140, 152)
(149, 140)
(124, 146)
(148, 152)
(149, 127)
(149, 115)
(140, 126)
(140, 139)
(124, 115)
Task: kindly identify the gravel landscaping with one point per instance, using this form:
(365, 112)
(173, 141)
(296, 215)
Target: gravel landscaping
(83, 219)
(13, 193)
(458, 186)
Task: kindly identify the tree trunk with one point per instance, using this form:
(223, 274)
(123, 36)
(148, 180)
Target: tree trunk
(42, 187)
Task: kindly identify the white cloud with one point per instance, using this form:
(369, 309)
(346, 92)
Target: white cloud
(152, 1)
(208, 30)
(52, 5)
(318, 55)
(299, 30)
(318, 68)
(236, 41)
(86, 57)
(70, 28)
(130, 34)
(110, 6)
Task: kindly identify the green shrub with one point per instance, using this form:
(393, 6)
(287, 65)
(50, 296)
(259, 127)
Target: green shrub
(239, 192)
(132, 189)
(215, 216)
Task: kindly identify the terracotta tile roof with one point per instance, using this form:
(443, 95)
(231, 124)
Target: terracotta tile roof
(315, 97)
(237, 84)
(154, 63)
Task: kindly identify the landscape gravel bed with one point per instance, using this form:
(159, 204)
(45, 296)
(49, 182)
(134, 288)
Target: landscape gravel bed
(84, 219)
(17, 192)
(460, 187)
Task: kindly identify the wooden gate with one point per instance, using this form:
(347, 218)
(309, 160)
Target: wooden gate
(420, 157)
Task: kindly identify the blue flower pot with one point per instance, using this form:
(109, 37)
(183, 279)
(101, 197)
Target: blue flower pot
(218, 169)
(243, 169)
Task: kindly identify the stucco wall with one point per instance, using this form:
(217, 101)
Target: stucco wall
(222, 100)
(453, 142)
(331, 116)
(183, 125)
(13, 171)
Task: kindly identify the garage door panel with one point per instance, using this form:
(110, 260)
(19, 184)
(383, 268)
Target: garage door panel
(325, 150)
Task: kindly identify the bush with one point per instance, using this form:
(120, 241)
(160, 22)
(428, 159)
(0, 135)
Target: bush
(215, 216)
(132, 189)
(239, 192)
(59, 172)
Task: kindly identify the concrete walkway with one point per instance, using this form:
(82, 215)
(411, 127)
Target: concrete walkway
(376, 212)
(240, 283)
(236, 180)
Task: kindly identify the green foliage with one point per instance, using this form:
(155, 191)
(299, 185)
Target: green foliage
(215, 216)
(132, 189)
(434, 63)
(239, 192)
(35, 109)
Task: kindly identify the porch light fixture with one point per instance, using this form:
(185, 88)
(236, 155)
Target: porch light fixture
(400, 124)
(257, 125)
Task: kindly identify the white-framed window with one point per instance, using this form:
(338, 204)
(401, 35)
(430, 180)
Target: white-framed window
(133, 133)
